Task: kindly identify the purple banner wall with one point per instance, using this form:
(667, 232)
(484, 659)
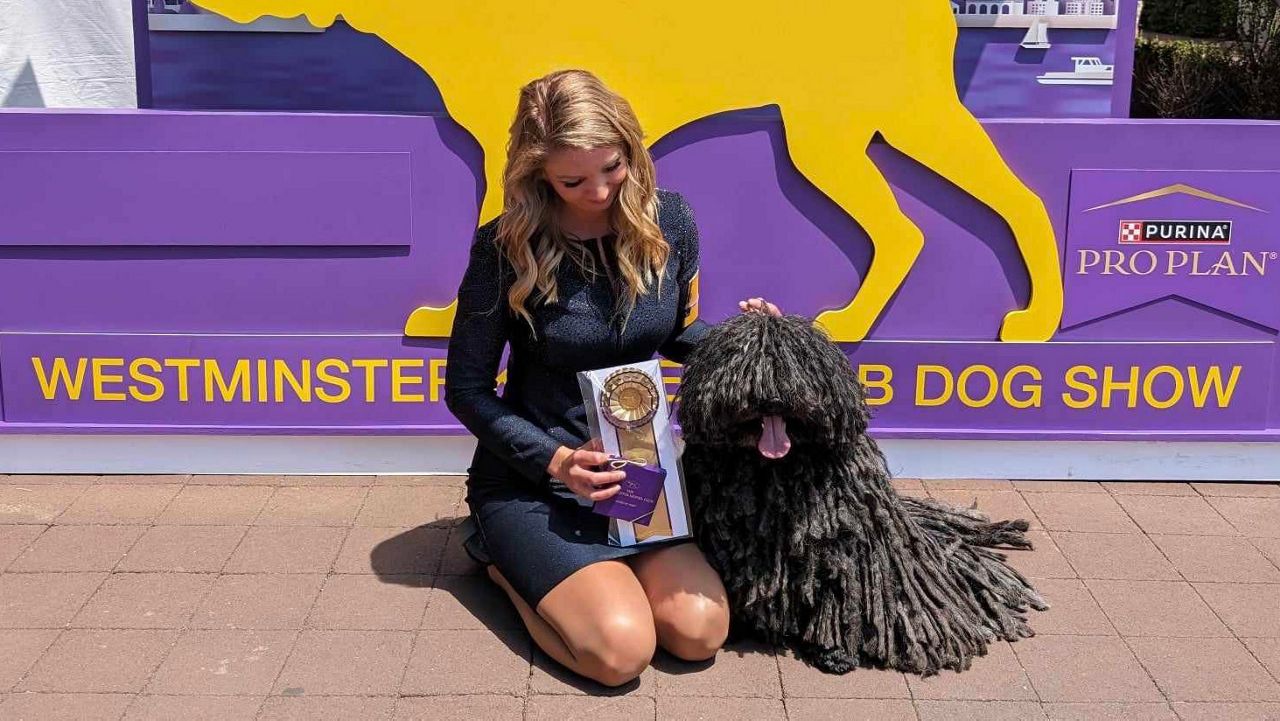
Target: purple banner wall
(211, 311)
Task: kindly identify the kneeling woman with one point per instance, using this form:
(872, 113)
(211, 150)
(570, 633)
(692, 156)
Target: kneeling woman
(588, 266)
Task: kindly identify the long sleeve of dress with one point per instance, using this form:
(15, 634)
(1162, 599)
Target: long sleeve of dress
(480, 330)
(689, 328)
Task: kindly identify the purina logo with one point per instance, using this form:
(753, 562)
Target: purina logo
(1136, 259)
(1194, 232)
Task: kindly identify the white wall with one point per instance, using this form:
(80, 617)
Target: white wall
(67, 54)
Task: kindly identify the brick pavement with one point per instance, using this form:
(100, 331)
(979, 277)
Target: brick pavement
(276, 597)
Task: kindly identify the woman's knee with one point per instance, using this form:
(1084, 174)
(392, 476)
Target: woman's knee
(619, 647)
(692, 627)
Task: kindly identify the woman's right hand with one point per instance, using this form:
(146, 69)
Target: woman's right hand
(576, 469)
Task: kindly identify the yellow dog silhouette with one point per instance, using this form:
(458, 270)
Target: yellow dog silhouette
(840, 72)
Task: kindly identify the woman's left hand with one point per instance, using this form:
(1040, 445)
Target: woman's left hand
(758, 305)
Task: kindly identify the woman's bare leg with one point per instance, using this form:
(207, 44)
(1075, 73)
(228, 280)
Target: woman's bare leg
(597, 622)
(690, 607)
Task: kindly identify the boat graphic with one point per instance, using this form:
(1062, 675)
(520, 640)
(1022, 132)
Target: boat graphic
(1089, 71)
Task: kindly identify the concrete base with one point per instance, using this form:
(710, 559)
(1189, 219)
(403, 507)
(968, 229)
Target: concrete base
(1084, 460)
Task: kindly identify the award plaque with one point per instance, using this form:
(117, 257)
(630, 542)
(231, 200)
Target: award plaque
(627, 410)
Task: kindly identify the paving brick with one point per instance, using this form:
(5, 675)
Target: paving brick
(847, 709)
(740, 669)
(1190, 515)
(690, 708)
(215, 506)
(311, 506)
(1072, 609)
(1110, 712)
(1249, 609)
(1080, 512)
(14, 540)
(1043, 486)
(167, 708)
(1232, 711)
(262, 601)
(223, 663)
(1270, 547)
(392, 551)
(78, 548)
(908, 484)
(590, 708)
(286, 550)
(1267, 651)
(994, 677)
(1205, 669)
(21, 649)
(49, 479)
(374, 602)
(44, 600)
(1044, 560)
(149, 479)
(452, 481)
(1251, 516)
(331, 708)
(455, 561)
(64, 706)
(191, 549)
(118, 504)
(979, 710)
(144, 600)
(1238, 490)
(313, 481)
(37, 504)
(469, 603)
(1115, 555)
(410, 505)
(1149, 488)
(800, 680)
(491, 706)
(366, 663)
(1156, 608)
(469, 662)
(998, 505)
(1085, 668)
(98, 661)
(549, 677)
(967, 484)
(1220, 558)
(217, 479)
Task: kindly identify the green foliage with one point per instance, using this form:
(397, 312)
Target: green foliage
(1193, 18)
(1235, 79)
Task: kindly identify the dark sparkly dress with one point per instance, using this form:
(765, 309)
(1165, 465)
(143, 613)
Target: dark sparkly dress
(530, 525)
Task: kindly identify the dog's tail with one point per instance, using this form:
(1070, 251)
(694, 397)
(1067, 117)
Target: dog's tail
(966, 524)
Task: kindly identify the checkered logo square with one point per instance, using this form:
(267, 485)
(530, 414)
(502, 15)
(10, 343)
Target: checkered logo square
(1131, 231)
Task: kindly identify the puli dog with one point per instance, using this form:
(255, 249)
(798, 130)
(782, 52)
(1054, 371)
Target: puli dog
(792, 505)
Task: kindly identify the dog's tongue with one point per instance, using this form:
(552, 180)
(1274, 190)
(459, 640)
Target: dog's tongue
(773, 437)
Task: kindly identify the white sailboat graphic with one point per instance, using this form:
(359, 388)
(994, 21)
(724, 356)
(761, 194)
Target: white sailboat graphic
(1037, 37)
(1089, 71)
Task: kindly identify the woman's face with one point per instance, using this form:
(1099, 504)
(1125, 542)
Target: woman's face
(586, 180)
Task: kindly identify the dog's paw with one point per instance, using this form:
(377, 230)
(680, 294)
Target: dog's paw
(830, 660)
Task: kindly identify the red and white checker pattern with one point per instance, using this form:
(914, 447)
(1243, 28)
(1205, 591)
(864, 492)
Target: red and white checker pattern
(1131, 231)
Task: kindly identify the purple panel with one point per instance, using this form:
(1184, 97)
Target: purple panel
(1094, 387)
(223, 381)
(1136, 236)
(206, 198)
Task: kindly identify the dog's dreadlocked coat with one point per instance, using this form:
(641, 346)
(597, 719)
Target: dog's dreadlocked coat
(793, 507)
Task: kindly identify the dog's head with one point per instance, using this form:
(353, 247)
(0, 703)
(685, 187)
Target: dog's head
(770, 383)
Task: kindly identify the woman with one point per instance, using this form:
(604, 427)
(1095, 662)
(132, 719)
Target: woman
(589, 266)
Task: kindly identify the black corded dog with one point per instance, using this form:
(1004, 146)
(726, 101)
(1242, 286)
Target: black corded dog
(792, 504)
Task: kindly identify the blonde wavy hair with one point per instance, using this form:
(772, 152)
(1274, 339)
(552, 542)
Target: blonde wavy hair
(574, 109)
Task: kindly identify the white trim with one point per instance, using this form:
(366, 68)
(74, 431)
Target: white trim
(209, 22)
(1083, 460)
